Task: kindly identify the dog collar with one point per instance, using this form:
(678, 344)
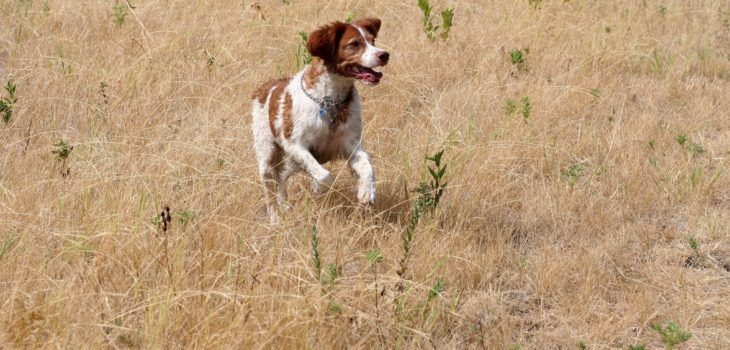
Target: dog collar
(327, 105)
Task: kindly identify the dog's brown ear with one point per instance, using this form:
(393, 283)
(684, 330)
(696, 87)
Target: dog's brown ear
(322, 42)
(372, 25)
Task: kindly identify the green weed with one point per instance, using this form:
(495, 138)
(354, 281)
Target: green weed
(185, 217)
(62, 150)
(119, 13)
(573, 173)
(681, 139)
(429, 197)
(510, 107)
(333, 273)
(696, 177)
(374, 256)
(349, 17)
(535, 3)
(302, 56)
(316, 261)
(689, 145)
(695, 148)
(517, 56)
(334, 307)
(693, 243)
(332, 270)
(7, 103)
(431, 192)
(447, 21)
(209, 61)
(7, 245)
(436, 290)
(659, 62)
(672, 335)
(526, 107)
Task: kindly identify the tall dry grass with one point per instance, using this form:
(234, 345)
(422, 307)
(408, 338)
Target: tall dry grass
(569, 227)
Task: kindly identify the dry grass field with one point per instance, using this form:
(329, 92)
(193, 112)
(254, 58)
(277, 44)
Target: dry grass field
(588, 196)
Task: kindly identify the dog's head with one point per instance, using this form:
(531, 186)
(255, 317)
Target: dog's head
(349, 49)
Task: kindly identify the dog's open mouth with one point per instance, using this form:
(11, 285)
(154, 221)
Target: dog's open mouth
(364, 74)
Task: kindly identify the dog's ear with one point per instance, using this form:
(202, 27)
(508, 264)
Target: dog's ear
(372, 25)
(322, 42)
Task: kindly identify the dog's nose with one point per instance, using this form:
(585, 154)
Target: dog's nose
(384, 57)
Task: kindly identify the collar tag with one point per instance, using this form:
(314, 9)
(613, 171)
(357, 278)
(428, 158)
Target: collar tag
(328, 108)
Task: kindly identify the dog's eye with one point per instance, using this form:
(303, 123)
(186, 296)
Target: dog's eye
(355, 44)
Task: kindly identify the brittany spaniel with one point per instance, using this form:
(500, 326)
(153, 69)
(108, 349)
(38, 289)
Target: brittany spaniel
(303, 122)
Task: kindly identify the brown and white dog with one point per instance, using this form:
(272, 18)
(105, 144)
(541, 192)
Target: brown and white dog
(314, 117)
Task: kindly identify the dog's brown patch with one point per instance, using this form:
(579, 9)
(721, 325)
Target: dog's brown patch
(325, 154)
(371, 25)
(315, 70)
(323, 42)
(287, 122)
(274, 101)
(262, 92)
(277, 156)
(344, 112)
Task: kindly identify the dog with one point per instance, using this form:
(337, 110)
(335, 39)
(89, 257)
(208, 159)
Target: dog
(302, 122)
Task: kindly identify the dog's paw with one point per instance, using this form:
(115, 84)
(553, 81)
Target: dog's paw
(274, 218)
(322, 184)
(366, 194)
(283, 204)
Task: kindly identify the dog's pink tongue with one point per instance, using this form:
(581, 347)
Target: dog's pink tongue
(370, 76)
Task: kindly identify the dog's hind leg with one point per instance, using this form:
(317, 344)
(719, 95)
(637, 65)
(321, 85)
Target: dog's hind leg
(269, 182)
(283, 171)
(269, 156)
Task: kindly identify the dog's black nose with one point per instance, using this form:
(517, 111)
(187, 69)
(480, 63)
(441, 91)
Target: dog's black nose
(384, 57)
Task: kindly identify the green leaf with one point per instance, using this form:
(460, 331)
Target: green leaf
(10, 88)
(681, 139)
(433, 173)
(425, 7)
(374, 256)
(437, 289)
(349, 17)
(447, 17)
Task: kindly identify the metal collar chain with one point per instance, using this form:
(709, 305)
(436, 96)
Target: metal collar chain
(327, 106)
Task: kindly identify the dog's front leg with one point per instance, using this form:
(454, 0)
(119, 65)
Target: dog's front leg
(301, 155)
(360, 163)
